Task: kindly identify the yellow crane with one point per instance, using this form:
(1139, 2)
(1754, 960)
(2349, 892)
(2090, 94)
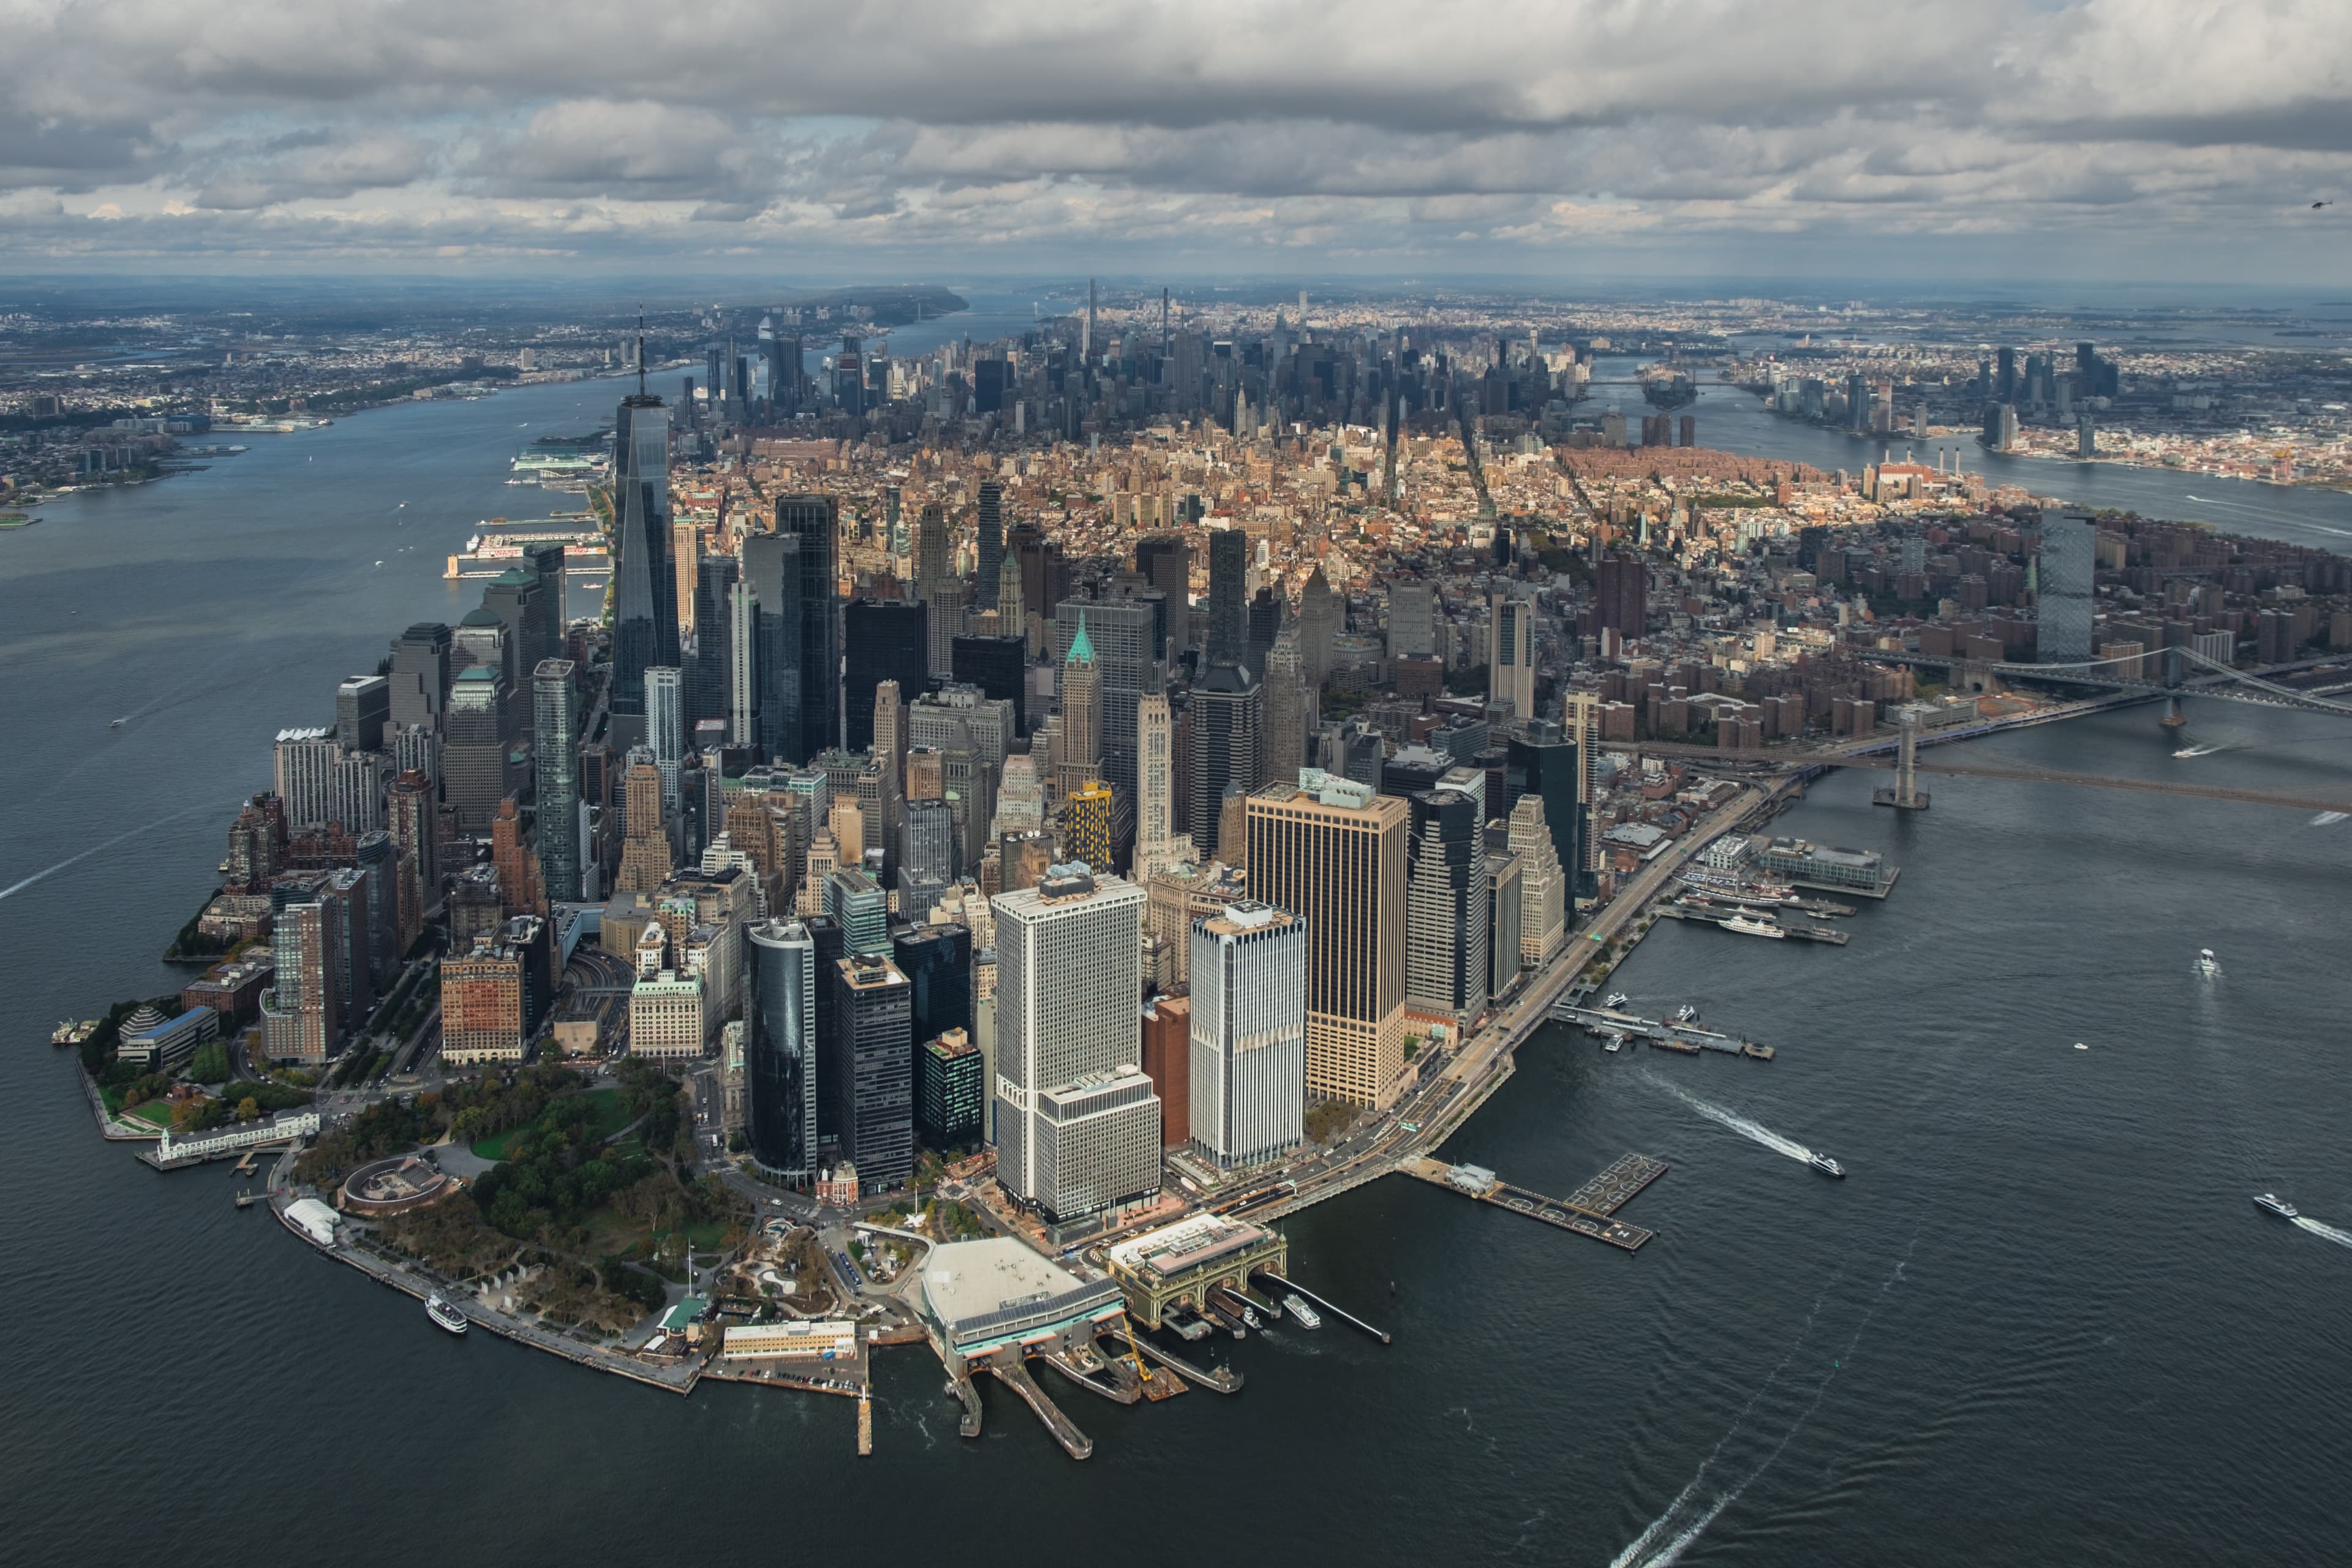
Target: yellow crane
(1135, 1356)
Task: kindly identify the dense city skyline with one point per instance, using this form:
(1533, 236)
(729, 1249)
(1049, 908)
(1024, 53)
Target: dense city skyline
(2094, 141)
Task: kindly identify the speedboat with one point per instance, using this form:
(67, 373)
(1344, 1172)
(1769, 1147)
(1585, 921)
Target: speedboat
(2275, 1203)
(1616, 1043)
(1825, 1165)
(2206, 964)
(1615, 1000)
(1305, 1316)
(1685, 1014)
(443, 1313)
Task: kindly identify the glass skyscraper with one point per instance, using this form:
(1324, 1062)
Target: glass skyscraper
(555, 720)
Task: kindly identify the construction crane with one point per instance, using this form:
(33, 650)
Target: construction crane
(1135, 1356)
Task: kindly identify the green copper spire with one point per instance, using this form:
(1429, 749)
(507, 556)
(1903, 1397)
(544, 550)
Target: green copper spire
(1082, 647)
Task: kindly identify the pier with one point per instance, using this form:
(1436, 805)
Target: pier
(1717, 918)
(1688, 1039)
(1007, 1366)
(1223, 1380)
(1591, 1212)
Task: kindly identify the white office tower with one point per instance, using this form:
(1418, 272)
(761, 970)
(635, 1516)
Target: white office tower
(1077, 1123)
(665, 728)
(1249, 1034)
(1543, 885)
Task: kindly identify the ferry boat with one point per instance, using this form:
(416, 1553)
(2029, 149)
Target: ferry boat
(443, 1313)
(69, 1033)
(1754, 925)
(1305, 1316)
(2206, 964)
(1826, 1166)
(2276, 1204)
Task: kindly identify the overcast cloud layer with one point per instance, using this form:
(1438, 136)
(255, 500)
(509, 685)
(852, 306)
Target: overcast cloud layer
(2152, 138)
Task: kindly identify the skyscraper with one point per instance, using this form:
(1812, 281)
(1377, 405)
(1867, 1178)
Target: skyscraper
(474, 758)
(1544, 893)
(1078, 752)
(2062, 578)
(1248, 1012)
(1087, 830)
(743, 664)
(1319, 628)
(645, 592)
(874, 1069)
(555, 758)
(1228, 596)
(420, 676)
(884, 640)
(1121, 631)
(782, 1066)
(1165, 562)
(1078, 1124)
(1621, 594)
(937, 588)
(665, 728)
(810, 701)
(1333, 852)
(989, 570)
(709, 678)
(1289, 718)
(362, 707)
(1155, 785)
(1228, 719)
(937, 961)
(1510, 664)
(1447, 967)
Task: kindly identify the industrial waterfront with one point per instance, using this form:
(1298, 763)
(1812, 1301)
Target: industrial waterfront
(2042, 1277)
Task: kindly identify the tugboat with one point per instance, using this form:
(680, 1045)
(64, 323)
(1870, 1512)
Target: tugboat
(1305, 1316)
(1826, 1166)
(443, 1313)
(2276, 1204)
(2206, 964)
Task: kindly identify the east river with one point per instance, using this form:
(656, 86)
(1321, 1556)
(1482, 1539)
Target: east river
(2040, 1321)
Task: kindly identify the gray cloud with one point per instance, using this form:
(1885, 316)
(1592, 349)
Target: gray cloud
(374, 128)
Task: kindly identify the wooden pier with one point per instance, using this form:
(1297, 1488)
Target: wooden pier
(1590, 1212)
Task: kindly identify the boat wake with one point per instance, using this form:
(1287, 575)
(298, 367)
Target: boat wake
(2341, 1238)
(148, 827)
(1754, 1130)
(2198, 750)
(2329, 819)
(1671, 1534)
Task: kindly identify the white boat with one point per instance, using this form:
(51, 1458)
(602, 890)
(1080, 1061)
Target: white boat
(443, 1313)
(2206, 964)
(1685, 1014)
(1614, 1000)
(1616, 1043)
(1754, 925)
(1305, 1316)
(1826, 1166)
(2275, 1203)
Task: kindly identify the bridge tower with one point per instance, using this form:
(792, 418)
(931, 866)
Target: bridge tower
(2173, 670)
(1906, 794)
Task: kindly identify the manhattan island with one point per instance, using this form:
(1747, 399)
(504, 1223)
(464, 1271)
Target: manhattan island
(970, 883)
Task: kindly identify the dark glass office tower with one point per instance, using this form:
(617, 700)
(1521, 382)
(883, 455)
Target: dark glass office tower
(545, 562)
(882, 639)
(707, 689)
(825, 933)
(771, 565)
(937, 961)
(808, 704)
(645, 608)
(1265, 626)
(998, 666)
(783, 1058)
(1541, 761)
(1228, 607)
(1228, 719)
(990, 567)
(873, 1016)
(555, 756)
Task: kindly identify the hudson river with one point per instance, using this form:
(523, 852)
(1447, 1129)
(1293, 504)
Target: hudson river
(2040, 1321)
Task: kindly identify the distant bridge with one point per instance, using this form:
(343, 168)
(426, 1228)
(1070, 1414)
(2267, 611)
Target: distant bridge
(2222, 680)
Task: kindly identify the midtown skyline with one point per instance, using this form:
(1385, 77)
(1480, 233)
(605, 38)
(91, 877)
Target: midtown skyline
(2077, 141)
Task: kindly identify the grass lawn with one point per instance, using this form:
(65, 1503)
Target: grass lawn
(155, 1113)
(610, 1117)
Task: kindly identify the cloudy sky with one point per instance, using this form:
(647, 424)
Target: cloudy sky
(1994, 139)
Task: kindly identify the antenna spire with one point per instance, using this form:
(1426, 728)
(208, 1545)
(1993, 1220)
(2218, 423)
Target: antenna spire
(641, 351)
